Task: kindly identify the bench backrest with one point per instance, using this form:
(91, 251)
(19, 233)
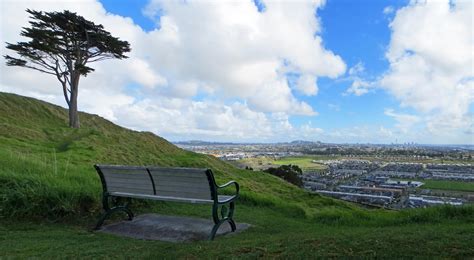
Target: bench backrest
(128, 179)
(181, 182)
(190, 183)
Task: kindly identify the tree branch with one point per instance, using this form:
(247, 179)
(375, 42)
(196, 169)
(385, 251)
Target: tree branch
(44, 71)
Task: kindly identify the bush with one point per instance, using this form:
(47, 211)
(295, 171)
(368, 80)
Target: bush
(290, 173)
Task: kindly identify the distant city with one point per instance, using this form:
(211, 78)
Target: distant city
(237, 151)
(393, 176)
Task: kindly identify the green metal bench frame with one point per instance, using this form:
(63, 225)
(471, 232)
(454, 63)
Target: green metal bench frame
(227, 206)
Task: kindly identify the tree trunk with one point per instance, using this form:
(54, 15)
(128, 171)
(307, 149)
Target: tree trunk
(73, 114)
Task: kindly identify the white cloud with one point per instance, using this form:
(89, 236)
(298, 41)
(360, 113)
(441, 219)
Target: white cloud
(226, 50)
(193, 119)
(357, 69)
(359, 87)
(243, 53)
(210, 121)
(405, 122)
(360, 134)
(388, 10)
(309, 132)
(431, 62)
(143, 74)
(307, 85)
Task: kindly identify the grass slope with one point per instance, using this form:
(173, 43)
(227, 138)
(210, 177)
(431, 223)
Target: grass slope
(49, 197)
(448, 185)
(45, 163)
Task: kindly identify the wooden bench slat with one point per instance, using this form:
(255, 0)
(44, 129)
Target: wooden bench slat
(131, 190)
(127, 179)
(176, 169)
(177, 180)
(204, 185)
(120, 167)
(162, 186)
(163, 198)
(116, 174)
(183, 194)
(181, 183)
(125, 171)
(168, 198)
(117, 186)
(126, 174)
(179, 177)
(168, 172)
(182, 188)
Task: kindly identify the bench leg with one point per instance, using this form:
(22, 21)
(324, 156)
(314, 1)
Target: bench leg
(230, 217)
(109, 211)
(215, 228)
(226, 216)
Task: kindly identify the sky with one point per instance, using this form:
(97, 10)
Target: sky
(339, 71)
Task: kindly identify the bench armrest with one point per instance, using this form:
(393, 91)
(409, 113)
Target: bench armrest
(237, 188)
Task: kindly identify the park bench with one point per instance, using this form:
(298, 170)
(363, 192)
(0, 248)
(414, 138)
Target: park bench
(190, 185)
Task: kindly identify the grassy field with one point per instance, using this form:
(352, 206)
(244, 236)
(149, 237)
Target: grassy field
(304, 162)
(50, 198)
(448, 185)
(445, 185)
(259, 163)
(274, 235)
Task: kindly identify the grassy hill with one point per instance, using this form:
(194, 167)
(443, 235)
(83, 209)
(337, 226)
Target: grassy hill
(42, 158)
(50, 196)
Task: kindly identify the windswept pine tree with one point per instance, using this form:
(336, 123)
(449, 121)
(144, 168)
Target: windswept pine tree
(63, 44)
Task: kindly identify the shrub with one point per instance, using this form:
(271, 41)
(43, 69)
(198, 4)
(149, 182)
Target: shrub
(290, 173)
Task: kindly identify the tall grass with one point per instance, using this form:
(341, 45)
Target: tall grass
(43, 187)
(39, 186)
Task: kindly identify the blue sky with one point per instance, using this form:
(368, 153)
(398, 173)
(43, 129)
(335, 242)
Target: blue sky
(357, 31)
(260, 71)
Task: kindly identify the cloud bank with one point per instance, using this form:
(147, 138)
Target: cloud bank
(431, 63)
(213, 69)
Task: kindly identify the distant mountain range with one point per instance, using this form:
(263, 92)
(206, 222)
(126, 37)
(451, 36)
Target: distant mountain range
(305, 142)
(199, 142)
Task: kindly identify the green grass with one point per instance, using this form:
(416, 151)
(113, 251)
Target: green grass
(45, 164)
(273, 235)
(448, 185)
(305, 163)
(50, 198)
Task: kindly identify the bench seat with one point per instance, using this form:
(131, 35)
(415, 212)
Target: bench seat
(221, 198)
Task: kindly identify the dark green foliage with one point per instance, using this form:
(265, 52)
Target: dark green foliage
(66, 38)
(290, 173)
(62, 44)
